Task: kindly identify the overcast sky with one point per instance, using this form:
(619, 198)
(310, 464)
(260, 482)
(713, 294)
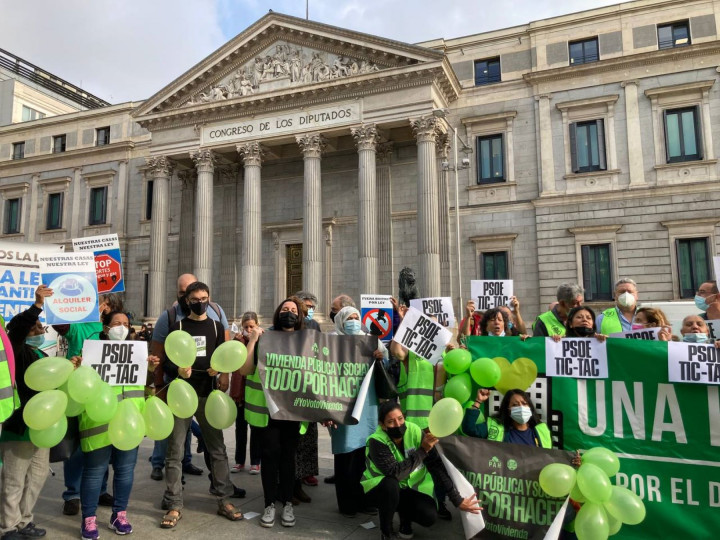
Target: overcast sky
(123, 50)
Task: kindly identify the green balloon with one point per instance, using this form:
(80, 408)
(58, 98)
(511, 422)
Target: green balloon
(557, 479)
(83, 384)
(485, 372)
(591, 522)
(49, 437)
(459, 388)
(180, 348)
(73, 407)
(603, 458)
(615, 524)
(625, 505)
(220, 410)
(457, 361)
(158, 418)
(103, 406)
(229, 357)
(44, 409)
(48, 373)
(594, 483)
(445, 417)
(182, 399)
(127, 428)
(576, 494)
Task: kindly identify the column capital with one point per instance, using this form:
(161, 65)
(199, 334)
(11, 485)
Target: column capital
(159, 166)
(366, 136)
(204, 160)
(542, 96)
(251, 153)
(443, 146)
(228, 173)
(384, 152)
(311, 144)
(623, 84)
(426, 128)
(187, 178)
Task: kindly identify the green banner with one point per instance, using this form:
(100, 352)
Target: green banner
(666, 434)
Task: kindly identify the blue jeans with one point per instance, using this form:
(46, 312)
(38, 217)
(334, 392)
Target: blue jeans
(95, 467)
(160, 449)
(72, 471)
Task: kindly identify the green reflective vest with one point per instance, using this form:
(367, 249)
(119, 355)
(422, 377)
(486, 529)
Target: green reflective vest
(416, 389)
(419, 479)
(552, 323)
(611, 322)
(94, 435)
(496, 432)
(9, 399)
(256, 411)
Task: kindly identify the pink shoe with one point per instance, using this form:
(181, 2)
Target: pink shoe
(237, 468)
(254, 469)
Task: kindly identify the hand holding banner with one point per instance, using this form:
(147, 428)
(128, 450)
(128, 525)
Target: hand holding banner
(108, 261)
(72, 278)
(423, 336)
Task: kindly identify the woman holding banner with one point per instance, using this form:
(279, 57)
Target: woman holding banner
(647, 317)
(581, 324)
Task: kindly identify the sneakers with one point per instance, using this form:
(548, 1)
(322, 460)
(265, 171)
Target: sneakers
(405, 532)
(268, 518)
(120, 524)
(89, 530)
(288, 516)
(71, 507)
(31, 531)
(157, 474)
(254, 469)
(237, 468)
(106, 499)
(310, 481)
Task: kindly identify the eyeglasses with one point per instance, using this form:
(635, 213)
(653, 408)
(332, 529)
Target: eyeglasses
(196, 301)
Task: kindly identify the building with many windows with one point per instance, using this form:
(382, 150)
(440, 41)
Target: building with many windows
(578, 148)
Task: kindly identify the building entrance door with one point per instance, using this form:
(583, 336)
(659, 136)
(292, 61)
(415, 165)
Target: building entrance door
(293, 258)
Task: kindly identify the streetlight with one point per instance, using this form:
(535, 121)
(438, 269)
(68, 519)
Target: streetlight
(465, 164)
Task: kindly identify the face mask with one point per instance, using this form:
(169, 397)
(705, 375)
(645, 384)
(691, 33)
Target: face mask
(396, 432)
(583, 331)
(501, 334)
(199, 308)
(246, 334)
(626, 300)
(352, 327)
(510, 325)
(638, 327)
(700, 303)
(310, 314)
(332, 315)
(287, 319)
(35, 341)
(695, 338)
(521, 414)
(117, 333)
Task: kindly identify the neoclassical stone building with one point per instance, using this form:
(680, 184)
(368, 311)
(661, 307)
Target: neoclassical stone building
(302, 155)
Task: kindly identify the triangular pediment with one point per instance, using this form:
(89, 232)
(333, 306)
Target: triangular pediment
(280, 54)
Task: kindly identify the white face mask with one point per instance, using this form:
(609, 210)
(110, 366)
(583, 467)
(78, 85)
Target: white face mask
(626, 300)
(118, 333)
(246, 334)
(521, 414)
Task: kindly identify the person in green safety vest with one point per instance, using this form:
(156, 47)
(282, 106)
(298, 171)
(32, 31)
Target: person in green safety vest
(25, 466)
(620, 317)
(580, 324)
(402, 465)
(569, 295)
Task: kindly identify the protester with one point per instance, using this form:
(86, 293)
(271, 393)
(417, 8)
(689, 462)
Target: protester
(620, 317)
(310, 301)
(580, 324)
(552, 322)
(707, 300)
(470, 325)
(495, 322)
(401, 467)
(339, 302)
(210, 335)
(647, 317)
(514, 317)
(24, 466)
(695, 330)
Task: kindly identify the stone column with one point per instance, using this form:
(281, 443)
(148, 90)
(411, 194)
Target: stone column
(203, 252)
(187, 210)
(634, 135)
(226, 291)
(366, 138)
(386, 279)
(428, 234)
(122, 193)
(251, 250)
(161, 170)
(443, 153)
(547, 162)
(312, 145)
(77, 190)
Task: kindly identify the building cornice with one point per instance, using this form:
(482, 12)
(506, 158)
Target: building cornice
(677, 89)
(64, 160)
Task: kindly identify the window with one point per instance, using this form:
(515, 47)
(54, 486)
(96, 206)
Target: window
(103, 136)
(682, 134)
(18, 150)
(584, 52)
(487, 71)
(597, 272)
(98, 205)
(587, 146)
(149, 199)
(675, 34)
(490, 159)
(59, 142)
(55, 210)
(495, 265)
(12, 216)
(31, 114)
(693, 262)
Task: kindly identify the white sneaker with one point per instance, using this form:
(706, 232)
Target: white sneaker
(268, 518)
(288, 516)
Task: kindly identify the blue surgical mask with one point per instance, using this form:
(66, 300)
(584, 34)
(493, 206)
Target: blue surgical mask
(352, 327)
(35, 341)
(310, 314)
(695, 338)
(700, 303)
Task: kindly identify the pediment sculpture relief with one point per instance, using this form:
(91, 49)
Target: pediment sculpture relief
(283, 65)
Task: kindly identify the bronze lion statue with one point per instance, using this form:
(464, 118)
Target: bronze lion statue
(407, 287)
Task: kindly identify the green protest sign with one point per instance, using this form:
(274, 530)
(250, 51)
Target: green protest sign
(666, 434)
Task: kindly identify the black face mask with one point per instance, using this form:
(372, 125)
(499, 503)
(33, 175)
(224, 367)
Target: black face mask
(396, 432)
(183, 304)
(332, 315)
(199, 308)
(287, 319)
(583, 331)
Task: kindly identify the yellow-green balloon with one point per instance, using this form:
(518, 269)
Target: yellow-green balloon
(220, 410)
(459, 388)
(625, 505)
(158, 418)
(48, 373)
(557, 479)
(73, 408)
(49, 437)
(445, 417)
(127, 428)
(103, 406)
(576, 494)
(603, 458)
(485, 372)
(180, 348)
(229, 357)
(594, 483)
(614, 523)
(44, 409)
(182, 399)
(457, 361)
(591, 522)
(83, 384)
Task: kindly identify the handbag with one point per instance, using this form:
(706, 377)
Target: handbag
(384, 386)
